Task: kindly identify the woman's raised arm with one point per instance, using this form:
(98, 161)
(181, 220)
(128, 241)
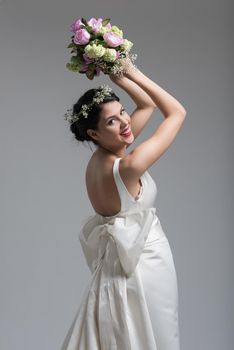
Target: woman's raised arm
(165, 102)
(145, 105)
(147, 153)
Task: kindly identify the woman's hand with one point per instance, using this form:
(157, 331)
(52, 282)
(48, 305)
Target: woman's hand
(127, 66)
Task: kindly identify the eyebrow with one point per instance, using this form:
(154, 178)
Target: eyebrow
(113, 115)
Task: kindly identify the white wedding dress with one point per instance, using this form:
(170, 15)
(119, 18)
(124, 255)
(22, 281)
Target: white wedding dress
(131, 301)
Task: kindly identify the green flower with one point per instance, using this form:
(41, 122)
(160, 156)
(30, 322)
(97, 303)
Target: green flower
(127, 45)
(117, 31)
(110, 55)
(103, 30)
(94, 51)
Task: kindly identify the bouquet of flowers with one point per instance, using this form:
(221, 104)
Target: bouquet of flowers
(98, 46)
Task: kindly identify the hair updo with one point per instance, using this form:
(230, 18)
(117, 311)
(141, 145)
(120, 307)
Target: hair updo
(80, 127)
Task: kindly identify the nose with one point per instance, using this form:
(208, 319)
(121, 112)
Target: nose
(124, 125)
(124, 122)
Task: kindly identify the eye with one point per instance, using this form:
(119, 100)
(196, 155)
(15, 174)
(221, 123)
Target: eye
(109, 122)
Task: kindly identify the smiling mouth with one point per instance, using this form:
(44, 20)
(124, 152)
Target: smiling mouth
(127, 132)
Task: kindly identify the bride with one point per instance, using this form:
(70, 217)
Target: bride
(131, 301)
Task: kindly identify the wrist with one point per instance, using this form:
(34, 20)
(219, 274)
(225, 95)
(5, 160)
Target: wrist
(132, 72)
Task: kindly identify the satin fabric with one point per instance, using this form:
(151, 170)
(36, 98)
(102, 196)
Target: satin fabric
(131, 301)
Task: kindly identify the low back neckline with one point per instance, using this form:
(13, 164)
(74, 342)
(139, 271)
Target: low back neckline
(125, 196)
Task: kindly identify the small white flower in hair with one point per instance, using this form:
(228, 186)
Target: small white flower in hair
(99, 96)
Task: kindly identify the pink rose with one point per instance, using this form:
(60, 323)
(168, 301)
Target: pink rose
(112, 39)
(95, 24)
(75, 25)
(87, 59)
(108, 26)
(81, 37)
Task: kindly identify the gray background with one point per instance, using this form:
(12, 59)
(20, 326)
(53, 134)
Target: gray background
(185, 47)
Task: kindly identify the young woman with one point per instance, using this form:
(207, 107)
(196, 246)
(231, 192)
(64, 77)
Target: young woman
(131, 302)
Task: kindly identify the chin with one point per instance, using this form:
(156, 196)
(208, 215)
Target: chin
(131, 139)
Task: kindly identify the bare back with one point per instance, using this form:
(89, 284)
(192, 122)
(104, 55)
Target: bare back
(101, 187)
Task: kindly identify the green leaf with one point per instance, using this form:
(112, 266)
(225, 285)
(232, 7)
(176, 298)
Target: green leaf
(98, 35)
(72, 67)
(84, 21)
(92, 66)
(80, 48)
(76, 60)
(101, 42)
(97, 42)
(89, 29)
(90, 74)
(71, 45)
(105, 21)
(75, 64)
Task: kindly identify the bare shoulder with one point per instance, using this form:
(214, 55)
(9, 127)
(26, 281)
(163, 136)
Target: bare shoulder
(99, 164)
(100, 169)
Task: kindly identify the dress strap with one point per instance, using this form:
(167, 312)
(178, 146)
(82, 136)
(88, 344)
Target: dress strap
(124, 196)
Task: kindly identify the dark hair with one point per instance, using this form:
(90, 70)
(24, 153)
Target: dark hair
(79, 128)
